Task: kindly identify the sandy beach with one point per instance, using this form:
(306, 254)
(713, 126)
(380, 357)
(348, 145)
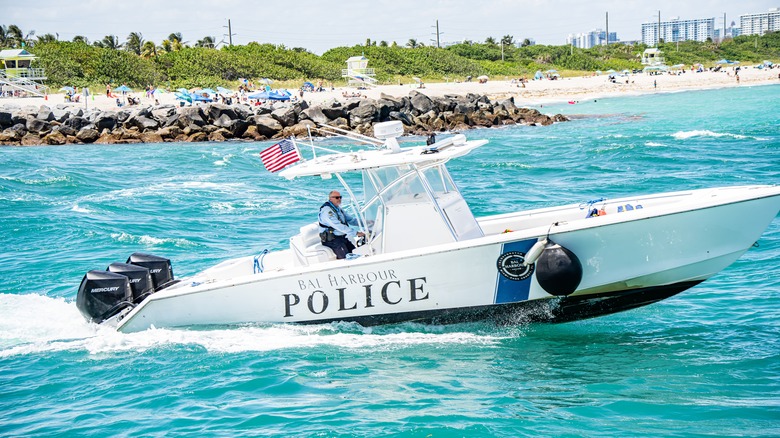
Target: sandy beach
(534, 93)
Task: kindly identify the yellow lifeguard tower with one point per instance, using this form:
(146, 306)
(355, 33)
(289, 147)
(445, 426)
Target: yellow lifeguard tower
(358, 74)
(18, 76)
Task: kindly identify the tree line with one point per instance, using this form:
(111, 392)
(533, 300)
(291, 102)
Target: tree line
(175, 62)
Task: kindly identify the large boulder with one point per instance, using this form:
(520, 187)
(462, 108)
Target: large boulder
(216, 110)
(163, 113)
(5, 119)
(106, 120)
(37, 125)
(285, 116)
(420, 102)
(55, 138)
(315, 114)
(143, 123)
(30, 139)
(45, 114)
(266, 125)
(87, 135)
(364, 113)
(191, 115)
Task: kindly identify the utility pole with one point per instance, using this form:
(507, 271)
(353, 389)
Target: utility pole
(438, 42)
(724, 28)
(607, 29)
(658, 37)
(502, 50)
(230, 33)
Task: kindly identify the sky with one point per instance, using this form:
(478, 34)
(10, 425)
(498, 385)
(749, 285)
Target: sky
(320, 25)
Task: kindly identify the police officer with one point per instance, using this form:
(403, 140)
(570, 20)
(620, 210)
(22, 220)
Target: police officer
(334, 226)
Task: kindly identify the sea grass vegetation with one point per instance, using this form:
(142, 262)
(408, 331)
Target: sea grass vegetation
(173, 63)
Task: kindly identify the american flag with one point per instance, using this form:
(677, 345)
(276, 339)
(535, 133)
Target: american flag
(280, 155)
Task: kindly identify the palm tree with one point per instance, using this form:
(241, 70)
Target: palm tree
(134, 42)
(508, 40)
(412, 43)
(109, 42)
(526, 42)
(149, 50)
(14, 36)
(490, 41)
(383, 43)
(80, 39)
(208, 42)
(48, 38)
(165, 46)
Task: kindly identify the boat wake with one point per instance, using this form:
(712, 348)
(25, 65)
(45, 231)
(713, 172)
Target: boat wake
(35, 324)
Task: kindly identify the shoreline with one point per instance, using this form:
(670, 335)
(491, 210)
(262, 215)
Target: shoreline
(443, 107)
(534, 93)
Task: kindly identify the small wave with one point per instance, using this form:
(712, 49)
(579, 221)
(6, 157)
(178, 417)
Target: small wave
(149, 240)
(682, 135)
(653, 144)
(224, 161)
(40, 182)
(78, 209)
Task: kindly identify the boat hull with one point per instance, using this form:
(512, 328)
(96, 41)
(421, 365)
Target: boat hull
(628, 260)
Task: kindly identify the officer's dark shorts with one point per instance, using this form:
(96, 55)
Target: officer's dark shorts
(341, 246)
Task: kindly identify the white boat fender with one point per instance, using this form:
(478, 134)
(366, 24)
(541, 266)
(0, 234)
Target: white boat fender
(534, 252)
(558, 270)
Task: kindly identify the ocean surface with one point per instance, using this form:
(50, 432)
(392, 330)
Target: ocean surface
(703, 363)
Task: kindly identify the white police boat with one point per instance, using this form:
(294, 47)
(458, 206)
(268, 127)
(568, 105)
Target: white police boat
(428, 259)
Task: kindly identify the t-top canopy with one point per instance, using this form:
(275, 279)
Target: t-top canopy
(438, 152)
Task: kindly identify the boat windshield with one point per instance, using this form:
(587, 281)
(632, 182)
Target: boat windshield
(426, 207)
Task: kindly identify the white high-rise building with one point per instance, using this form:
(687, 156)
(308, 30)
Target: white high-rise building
(678, 30)
(590, 39)
(759, 24)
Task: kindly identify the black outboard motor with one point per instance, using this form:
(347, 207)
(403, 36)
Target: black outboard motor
(103, 294)
(159, 267)
(140, 279)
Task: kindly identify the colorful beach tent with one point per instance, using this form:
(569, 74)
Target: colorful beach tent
(123, 89)
(271, 95)
(538, 75)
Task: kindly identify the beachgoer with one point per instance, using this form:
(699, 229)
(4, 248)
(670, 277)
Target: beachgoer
(655, 84)
(335, 230)
(108, 90)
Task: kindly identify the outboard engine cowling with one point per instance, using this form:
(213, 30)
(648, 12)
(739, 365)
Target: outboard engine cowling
(159, 267)
(103, 294)
(558, 270)
(141, 283)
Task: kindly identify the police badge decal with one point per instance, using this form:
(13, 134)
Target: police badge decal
(511, 266)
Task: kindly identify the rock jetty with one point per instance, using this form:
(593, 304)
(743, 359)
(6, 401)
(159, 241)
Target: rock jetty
(419, 113)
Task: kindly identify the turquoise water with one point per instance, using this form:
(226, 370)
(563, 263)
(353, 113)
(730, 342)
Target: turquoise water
(706, 362)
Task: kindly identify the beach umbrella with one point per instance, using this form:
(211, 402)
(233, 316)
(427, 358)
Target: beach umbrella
(678, 66)
(183, 90)
(538, 75)
(723, 61)
(183, 96)
(208, 90)
(625, 72)
(224, 90)
(552, 70)
(266, 81)
(482, 78)
(159, 91)
(68, 89)
(598, 72)
(610, 71)
(123, 88)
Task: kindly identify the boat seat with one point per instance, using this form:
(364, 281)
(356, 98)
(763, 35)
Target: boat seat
(308, 248)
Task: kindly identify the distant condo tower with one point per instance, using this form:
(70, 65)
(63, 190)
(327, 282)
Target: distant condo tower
(17, 75)
(357, 74)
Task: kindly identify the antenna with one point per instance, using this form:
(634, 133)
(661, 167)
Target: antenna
(437, 33)
(230, 33)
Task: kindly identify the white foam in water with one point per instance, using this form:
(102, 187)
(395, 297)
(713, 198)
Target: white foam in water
(78, 209)
(149, 240)
(35, 324)
(682, 135)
